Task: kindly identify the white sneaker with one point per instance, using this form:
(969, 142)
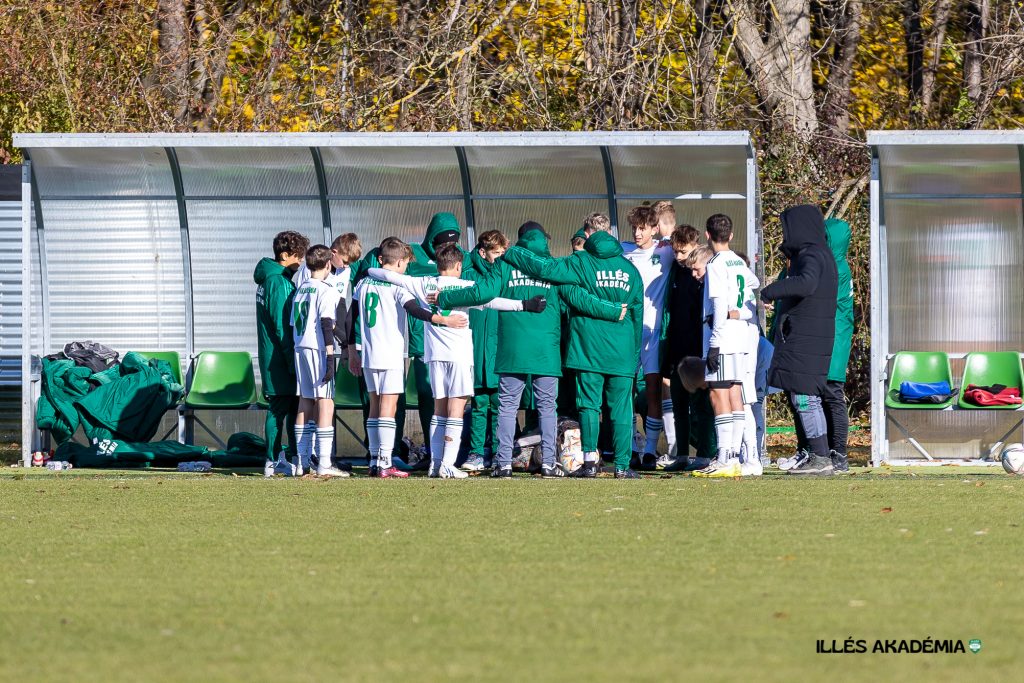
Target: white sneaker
(268, 469)
(794, 462)
(751, 469)
(451, 472)
(665, 460)
(331, 472)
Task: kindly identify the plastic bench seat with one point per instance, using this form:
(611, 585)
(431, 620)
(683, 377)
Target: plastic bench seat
(918, 366)
(988, 368)
(222, 380)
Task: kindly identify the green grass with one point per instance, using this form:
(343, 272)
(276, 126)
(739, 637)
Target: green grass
(165, 577)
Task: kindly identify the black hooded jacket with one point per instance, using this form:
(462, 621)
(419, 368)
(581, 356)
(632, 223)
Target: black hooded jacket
(806, 308)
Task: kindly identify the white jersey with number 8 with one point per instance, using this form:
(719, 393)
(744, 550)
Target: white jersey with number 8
(382, 324)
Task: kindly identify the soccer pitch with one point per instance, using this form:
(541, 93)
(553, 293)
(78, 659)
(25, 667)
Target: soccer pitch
(165, 577)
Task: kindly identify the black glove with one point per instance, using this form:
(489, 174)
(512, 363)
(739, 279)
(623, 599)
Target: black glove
(535, 305)
(712, 361)
(329, 371)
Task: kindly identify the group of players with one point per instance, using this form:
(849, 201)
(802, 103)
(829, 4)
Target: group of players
(663, 308)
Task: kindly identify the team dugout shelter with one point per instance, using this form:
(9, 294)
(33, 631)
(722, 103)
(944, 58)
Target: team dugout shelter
(947, 296)
(148, 242)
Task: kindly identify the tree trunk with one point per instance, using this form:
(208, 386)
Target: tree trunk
(779, 65)
(840, 77)
(172, 62)
(936, 39)
(977, 23)
(709, 39)
(914, 39)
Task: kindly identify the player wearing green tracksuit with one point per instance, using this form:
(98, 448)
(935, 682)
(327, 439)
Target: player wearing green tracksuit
(604, 353)
(528, 347)
(274, 293)
(484, 323)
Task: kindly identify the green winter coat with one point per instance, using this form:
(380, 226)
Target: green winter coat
(529, 343)
(274, 293)
(484, 323)
(603, 346)
(837, 233)
(422, 265)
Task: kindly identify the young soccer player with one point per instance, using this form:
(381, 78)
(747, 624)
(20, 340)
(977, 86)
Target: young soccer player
(683, 336)
(382, 308)
(484, 322)
(653, 260)
(726, 342)
(665, 215)
(313, 311)
(274, 292)
(529, 346)
(448, 354)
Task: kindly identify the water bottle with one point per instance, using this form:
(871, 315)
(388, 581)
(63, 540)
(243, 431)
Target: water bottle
(58, 465)
(197, 466)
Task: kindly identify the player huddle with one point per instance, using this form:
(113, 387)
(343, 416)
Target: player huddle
(506, 327)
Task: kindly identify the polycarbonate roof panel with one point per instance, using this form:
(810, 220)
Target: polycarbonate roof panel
(84, 172)
(227, 171)
(114, 274)
(536, 170)
(560, 217)
(228, 238)
(373, 220)
(956, 274)
(669, 171)
(950, 169)
(391, 171)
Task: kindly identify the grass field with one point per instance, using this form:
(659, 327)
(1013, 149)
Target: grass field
(166, 577)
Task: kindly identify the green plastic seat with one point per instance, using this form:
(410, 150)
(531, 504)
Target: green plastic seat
(988, 368)
(171, 358)
(346, 390)
(918, 366)
(222, 379)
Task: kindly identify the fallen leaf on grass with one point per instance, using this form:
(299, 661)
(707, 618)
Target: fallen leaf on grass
(981, 532)
(857, 603)
(780, 615)
(615, 510)
(979, 483)
(885, 510)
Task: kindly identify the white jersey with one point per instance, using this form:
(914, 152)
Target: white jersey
(341, 280)
(440, 342)
(726, 279)
(750, 285)
(314, 299)
(654, 264)
(382, 324)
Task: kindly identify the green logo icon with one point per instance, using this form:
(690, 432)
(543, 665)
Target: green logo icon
(975, 646)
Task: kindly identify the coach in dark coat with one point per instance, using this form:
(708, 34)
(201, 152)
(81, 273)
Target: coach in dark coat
(805, 326)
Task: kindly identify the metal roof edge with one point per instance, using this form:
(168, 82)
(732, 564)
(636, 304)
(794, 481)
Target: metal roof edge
(393, 139)
(877, 138)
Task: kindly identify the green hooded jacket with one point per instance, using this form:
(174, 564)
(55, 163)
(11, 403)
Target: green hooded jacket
(484, 323)
(422, 265)
(603, 346)
(530, 343)
(837, 233)
(274, 293)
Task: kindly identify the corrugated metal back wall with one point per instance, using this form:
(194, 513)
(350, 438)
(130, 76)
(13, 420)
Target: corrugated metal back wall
(10, 315)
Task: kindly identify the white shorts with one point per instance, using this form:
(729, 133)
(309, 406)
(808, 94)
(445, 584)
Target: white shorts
(384, 381)
(450, 380)
(650, 352)
(309, 371)
(731, 368)
(749, 387)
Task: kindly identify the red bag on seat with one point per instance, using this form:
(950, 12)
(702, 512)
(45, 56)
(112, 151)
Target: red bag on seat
(997, 395)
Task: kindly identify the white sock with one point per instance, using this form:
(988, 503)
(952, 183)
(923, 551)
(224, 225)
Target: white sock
(373, 437)
(324, 441)
(437, 429)
(652, 429)
(723, 431)
(738, 421)
(590, 457)
(751, 450)
(387, 428)
(304, 444)
(668, 418)
(452, 440)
